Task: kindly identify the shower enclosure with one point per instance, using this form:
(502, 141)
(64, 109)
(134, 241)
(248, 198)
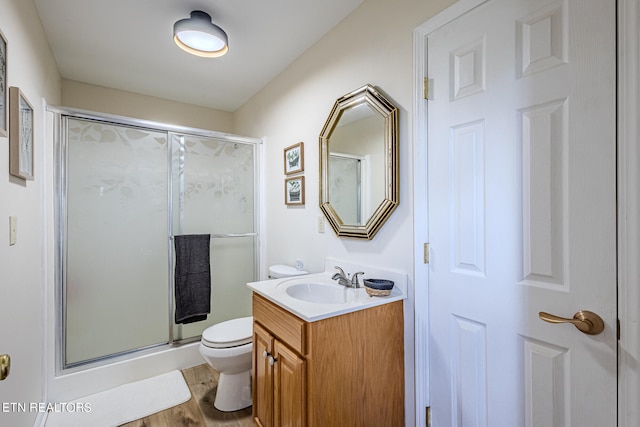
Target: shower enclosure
(125, 188)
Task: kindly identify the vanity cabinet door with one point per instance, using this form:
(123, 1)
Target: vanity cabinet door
(263, 377)
(289, 390)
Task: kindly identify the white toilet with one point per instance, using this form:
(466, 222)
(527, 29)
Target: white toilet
(227, 348)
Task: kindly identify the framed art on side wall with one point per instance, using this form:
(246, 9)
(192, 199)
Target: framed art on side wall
(20, 135)
(294, 158)
(294, 191)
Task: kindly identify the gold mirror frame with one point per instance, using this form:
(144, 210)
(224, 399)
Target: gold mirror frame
(378, 103)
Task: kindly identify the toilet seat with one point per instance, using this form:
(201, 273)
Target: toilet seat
(231, 333)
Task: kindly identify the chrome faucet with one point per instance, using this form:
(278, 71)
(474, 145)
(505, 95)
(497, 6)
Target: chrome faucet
(343, 279)
(354, 279)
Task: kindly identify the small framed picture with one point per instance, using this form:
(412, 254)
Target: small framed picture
(294, 191)
(20, 135)
(294, 158)
(3, 85)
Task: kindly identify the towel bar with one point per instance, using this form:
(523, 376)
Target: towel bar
(224, 236)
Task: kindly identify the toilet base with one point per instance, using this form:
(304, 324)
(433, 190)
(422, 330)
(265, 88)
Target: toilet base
(234, 391)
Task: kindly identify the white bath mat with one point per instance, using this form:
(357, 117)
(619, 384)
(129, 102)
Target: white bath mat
(122, 404)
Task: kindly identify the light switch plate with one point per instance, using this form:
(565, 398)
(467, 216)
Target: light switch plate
(13, 230)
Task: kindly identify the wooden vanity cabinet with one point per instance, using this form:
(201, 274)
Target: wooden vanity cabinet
(262, 382)
(279, 383)
(346, 370)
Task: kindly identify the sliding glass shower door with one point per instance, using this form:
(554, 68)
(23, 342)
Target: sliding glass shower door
(116, 250)
(213, 187)
(125, 191)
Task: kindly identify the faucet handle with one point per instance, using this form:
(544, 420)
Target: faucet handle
(341, 270)
(354, 279)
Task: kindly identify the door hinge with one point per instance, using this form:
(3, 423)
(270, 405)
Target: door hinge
(427, 87)
(428, 417)
(426, 253)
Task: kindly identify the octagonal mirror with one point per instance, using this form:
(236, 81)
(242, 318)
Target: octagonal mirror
(359, 182)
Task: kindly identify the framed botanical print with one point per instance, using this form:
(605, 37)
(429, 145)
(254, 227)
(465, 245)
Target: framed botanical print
(294, 191)
(20, 135)
(294, 158)
(3, 85)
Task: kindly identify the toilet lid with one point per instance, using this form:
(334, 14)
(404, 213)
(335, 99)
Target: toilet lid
(230, 333)
(279, 271)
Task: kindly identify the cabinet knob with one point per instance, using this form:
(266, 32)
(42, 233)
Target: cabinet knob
(265, 354)
(272, 360)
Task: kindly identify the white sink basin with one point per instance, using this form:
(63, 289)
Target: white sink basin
(316, 296)
(319, 293)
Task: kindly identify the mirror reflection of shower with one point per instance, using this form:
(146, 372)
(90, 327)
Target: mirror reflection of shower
(125, 190)
(348, 187)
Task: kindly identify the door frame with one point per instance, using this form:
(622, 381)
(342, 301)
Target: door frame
(628, 172)
(628, 212)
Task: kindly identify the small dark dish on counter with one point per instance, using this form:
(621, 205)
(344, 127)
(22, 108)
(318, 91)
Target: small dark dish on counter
(378, 287)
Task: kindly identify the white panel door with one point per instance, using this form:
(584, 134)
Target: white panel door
(521, 196)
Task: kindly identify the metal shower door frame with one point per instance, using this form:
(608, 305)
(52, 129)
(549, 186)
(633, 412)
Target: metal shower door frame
(61, 116)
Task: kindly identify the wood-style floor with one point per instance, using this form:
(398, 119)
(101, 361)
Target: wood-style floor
(199, 410)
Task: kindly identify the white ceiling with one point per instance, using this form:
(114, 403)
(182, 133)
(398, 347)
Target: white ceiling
(128, 44)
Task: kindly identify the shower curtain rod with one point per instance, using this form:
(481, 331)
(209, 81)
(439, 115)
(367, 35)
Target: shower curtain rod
(224, 236)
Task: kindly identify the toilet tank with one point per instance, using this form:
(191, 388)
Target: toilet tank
(280, 271)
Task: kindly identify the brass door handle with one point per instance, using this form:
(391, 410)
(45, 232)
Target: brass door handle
(587, 321)
(5, 365)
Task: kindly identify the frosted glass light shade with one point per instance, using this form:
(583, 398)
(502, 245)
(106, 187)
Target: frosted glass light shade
(199, 36)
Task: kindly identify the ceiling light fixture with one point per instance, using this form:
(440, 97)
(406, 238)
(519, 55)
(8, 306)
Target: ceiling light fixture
(199, 36)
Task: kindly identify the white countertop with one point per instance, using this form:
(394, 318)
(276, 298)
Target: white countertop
(353, 299)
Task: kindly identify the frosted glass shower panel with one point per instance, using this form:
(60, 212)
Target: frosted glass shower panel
(117, 202)
(213, 185)
(213, 192)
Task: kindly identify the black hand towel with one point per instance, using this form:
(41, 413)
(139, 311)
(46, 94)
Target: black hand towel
(192, 278)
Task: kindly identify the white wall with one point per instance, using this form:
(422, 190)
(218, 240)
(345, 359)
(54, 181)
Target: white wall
(119, 102)
(24, 267)
(372, 45)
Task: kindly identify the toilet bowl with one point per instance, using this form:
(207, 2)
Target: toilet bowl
(227, 348)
